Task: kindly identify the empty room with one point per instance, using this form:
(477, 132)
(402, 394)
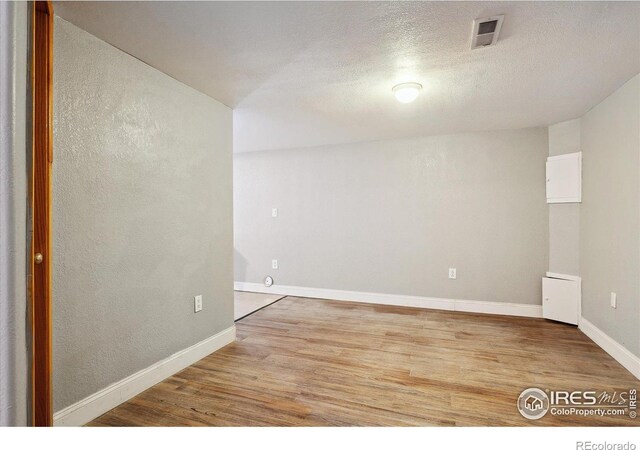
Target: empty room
(321, 214)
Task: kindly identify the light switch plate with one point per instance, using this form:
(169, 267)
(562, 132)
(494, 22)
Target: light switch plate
(197, 303)
(614, 300)
(274, 212)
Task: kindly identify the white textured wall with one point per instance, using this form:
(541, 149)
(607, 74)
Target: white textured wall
(142, 217)
(14, 374)
(610, 215)
(393, 216)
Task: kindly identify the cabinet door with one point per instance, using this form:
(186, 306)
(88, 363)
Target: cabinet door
(564, 178)
(560, 300)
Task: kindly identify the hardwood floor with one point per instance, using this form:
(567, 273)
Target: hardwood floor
(307, 362)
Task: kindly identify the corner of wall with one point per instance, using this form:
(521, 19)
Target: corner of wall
(564, 218)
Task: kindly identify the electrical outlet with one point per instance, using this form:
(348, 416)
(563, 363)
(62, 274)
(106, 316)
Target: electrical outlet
(197, 303)
(274, 263)
(274, 212)
(614, 300)
(453, 273)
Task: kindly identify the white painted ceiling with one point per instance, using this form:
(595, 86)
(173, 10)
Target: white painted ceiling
(304, 74)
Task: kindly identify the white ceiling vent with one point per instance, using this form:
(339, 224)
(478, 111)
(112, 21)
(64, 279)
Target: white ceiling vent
(485, 31)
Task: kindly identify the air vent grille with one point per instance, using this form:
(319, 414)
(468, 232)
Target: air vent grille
(487, 27)
(485, 31)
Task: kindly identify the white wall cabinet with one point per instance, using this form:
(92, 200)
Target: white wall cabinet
(561, 298)
(564, 178)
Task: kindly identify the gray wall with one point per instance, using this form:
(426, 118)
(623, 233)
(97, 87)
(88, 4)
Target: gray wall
(564, 218)
(142, 215)
(14, 373)
(393, 216)
(610, 215)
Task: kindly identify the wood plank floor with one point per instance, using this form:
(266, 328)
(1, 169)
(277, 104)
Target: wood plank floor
(307, 362)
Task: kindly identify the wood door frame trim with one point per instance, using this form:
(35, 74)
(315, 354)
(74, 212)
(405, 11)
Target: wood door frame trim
(40, 205)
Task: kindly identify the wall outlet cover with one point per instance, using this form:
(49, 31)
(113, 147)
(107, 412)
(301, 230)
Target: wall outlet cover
(197, 303)
(274, 263)
(453, 273)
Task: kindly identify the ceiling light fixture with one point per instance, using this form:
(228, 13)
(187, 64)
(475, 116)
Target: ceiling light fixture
(406, 92)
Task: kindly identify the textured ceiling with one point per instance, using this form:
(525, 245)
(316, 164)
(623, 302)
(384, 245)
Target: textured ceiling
(312, 73)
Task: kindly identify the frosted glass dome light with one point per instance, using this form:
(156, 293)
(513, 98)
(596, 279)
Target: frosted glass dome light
(406, 92)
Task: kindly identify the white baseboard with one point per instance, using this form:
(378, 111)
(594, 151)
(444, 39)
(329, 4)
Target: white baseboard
(108, 398)
(448, 304)
(618, 352)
